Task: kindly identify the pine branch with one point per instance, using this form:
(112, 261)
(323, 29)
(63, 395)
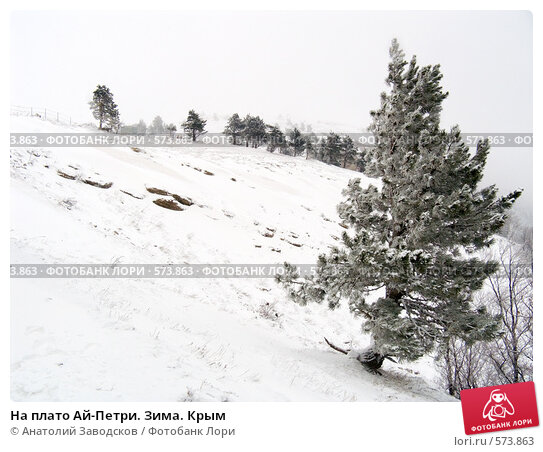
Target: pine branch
(336, 348)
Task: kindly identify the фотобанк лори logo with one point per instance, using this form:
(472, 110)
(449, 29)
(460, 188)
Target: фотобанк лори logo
(498, 408)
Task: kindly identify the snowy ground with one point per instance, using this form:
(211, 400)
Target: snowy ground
(180, 339)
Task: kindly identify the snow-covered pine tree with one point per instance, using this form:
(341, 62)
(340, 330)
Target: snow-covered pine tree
(348, 151)
(412, 240)
(254, 131)
(234, 128)
(275, 139)
(171, 128)
(113, 117)
(360, 160)
(141, 128)
(330, 149)
(296, 142)
(157, 126)
(104, 109)
(310, 143)
(194, 125)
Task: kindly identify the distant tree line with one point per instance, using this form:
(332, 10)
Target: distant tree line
(334, 149)
(106, 112)
(194, 126)
(251, 131)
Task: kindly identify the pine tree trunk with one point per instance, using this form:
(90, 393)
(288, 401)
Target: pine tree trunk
(371, 359)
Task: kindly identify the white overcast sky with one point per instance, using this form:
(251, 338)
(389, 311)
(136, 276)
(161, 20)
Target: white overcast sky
(308, 66)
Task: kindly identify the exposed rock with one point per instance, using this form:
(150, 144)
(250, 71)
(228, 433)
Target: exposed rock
(181, 200)
(97, 184)
(167, 204)
(130, 194)
(68, 203)
(299, 245)
(65, 175)
(158, 191)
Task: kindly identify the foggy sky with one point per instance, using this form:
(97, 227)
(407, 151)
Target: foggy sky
(308, 66)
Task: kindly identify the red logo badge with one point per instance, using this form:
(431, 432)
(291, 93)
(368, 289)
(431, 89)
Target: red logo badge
(498, 408)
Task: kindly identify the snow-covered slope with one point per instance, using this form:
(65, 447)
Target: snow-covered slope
(180, 339)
